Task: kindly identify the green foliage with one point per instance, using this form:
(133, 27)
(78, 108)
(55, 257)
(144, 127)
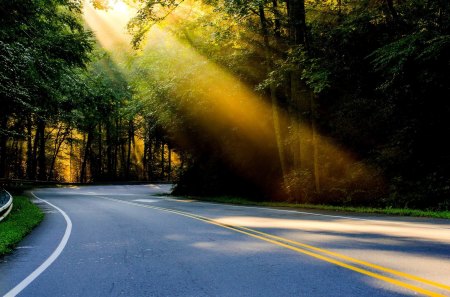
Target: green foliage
(311, 70)
(150, 13)
(375, 76)
(101, 94)
(377, 73)
(391, 109)
(41, 43)
(299, 184)
(22, 219)
(51, 79)
(417, 50)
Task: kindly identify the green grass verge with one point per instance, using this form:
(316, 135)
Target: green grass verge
(369, 210)
(22, 219)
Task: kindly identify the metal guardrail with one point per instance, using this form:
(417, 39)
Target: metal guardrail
(6, 200)
(7, 182)
(6, 204)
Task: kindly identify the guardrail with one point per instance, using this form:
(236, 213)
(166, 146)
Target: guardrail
(6, 204)
(7, 183)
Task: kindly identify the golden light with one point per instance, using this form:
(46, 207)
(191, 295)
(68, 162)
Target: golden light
(217, 101)
(119, 7)
(110, 25)
(345, 226)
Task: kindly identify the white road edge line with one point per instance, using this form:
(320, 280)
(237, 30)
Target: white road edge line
(29, 279)
(290, 211)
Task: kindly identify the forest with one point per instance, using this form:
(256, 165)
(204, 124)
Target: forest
(341, 102)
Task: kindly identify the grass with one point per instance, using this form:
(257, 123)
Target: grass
(22, 219)
(369, 210)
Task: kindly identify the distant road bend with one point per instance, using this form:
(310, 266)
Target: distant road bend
(131, 241)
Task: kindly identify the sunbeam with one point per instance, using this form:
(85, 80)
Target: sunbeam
(110, 25)
(219, 102)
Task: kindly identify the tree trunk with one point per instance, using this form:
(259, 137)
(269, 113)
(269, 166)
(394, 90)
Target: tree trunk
(130, 139)
(87, 152)
(183, 160)
(162, 160)
(150, 159)
(144, 157)
(315, 146)
(70, 157)
(42, 160)
(34, 155)
(100, 151)
(109, 153)
(80, 165)
(13, 155)
(30, 161)
(115, 157)
(273, 96)
(55, 153)
(170, 164)
(277, 21)
(3, 142)
(302, 99)
(297, 23)
(392, 10)
(123, 160)
(60, 138)
(20, 155)
(93, 158)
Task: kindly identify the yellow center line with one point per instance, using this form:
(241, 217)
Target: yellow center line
(274, 240)
(350, 259)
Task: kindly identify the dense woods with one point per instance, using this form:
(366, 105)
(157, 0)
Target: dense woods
(337, 101)
(66, 111)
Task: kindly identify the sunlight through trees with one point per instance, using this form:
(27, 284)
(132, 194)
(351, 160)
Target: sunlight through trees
(306, 101)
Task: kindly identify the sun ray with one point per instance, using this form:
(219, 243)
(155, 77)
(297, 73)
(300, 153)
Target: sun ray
(222, 102)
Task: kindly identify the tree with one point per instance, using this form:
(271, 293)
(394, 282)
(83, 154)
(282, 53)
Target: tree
(41, 42)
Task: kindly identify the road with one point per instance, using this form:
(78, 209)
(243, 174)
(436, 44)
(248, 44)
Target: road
(131, 241)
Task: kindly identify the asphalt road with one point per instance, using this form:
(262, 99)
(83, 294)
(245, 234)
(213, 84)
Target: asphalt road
(128, 241)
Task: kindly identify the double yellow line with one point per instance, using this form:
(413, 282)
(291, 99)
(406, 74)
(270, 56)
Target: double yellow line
(315, 252)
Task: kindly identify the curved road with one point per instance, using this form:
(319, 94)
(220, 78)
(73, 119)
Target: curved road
(131, 241)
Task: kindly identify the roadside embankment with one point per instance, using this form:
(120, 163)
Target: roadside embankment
(368, 210)
(23, 218)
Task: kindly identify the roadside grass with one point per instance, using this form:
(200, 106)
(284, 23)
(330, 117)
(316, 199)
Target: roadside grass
(369, 210)
(22, 219)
